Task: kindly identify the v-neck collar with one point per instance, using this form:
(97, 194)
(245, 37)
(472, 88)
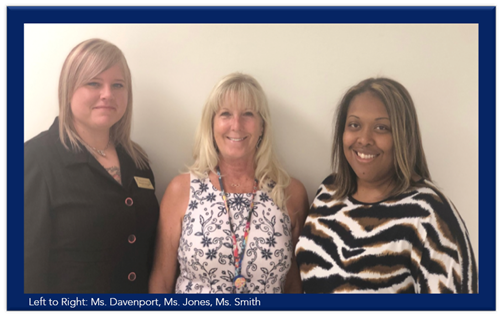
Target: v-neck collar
(73, 157)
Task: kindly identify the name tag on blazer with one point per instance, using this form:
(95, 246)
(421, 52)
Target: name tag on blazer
(143, 182)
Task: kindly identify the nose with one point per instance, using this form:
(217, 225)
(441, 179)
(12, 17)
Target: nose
(236, 124)
(106, 91)
(365, 137)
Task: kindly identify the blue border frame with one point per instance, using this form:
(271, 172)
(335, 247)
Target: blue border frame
(483, 16)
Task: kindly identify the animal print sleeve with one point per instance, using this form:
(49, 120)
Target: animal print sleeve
(447, 263)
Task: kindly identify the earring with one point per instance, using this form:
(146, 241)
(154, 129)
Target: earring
(216, 147)
(258, 142)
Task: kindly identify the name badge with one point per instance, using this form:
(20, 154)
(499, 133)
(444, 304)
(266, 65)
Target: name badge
(143, 182)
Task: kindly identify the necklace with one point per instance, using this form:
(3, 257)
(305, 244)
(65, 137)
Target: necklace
(100, 152)
(238, 281)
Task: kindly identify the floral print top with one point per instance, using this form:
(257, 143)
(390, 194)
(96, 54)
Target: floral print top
(205, 247)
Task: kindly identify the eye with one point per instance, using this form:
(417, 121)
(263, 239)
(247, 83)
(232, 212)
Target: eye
(352, 125)
(382, 128)
(225, 114)
(118, 85)
(249, 114)
(93, 84)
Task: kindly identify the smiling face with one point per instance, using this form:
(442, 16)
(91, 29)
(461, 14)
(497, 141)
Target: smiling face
(101, 102)
(367, 140)
(237, 129)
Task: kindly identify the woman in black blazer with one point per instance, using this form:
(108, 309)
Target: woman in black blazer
(89, 202)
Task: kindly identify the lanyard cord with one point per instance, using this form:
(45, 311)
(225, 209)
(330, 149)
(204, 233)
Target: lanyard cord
(237, 258)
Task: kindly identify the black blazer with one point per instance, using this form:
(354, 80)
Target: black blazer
(83, 231)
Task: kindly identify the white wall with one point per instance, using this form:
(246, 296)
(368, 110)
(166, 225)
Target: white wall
(304, 69)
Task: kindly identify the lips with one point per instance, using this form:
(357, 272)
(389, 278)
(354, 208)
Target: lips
(237, 139)
(365, 157)
(105, 107)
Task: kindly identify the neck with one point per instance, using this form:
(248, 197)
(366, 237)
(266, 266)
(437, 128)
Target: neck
(237, 169)
(238, 176)
(374, 191)
(98, 139)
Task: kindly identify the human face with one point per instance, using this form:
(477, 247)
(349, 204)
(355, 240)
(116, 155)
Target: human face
(237, 130)
(367, 139)
(101, 102)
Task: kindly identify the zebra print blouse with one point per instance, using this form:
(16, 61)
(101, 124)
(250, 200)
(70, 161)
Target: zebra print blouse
(412, 243)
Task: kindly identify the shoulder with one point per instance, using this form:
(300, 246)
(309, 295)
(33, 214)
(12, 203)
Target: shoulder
(176, 196)
(430, 193)
(179, 184)
(327, 186)
(39, 143)
(42, 150)
(436, 201)
(296, 188)
(44, 141)
(441, 213)
(329, 182)
(325, 196)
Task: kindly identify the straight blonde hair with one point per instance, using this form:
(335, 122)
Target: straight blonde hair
(268, 170)
(87, 60)
(409, 156)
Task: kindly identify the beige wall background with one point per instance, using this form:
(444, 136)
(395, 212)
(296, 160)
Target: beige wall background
(304, 69)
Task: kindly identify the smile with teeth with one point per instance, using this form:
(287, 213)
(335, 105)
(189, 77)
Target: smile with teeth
(236, 139)
(365, 156)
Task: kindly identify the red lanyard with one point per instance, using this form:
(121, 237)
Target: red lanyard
(238, 280)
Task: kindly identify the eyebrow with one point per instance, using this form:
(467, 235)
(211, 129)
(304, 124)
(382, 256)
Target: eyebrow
(99, 78)
(243, 109)
(380, 118)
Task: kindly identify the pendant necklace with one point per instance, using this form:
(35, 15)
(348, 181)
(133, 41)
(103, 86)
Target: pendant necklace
(100, 152)
(238, 281)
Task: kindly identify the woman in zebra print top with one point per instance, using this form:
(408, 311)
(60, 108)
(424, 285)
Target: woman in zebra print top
(379, 225)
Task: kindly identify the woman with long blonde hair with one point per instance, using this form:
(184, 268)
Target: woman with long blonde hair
(89, 202)
(231, 223)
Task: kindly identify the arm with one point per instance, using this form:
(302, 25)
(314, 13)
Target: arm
(172, 209)
(297, 206)
(447, 263)
(37, 224)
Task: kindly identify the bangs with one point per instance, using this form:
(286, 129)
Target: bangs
(97, 62)
(241, 95)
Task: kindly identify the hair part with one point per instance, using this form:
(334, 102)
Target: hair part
(268, 170)
(87, 60)
(409, 156)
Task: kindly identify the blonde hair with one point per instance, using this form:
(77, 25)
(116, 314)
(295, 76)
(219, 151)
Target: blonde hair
(87, 60)
(268, 170)
(409, 156)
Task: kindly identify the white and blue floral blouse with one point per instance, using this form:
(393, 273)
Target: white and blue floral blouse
(205, 251)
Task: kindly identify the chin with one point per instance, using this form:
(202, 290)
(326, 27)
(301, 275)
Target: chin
(372, 178)
(236, 156)
(105, 123)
